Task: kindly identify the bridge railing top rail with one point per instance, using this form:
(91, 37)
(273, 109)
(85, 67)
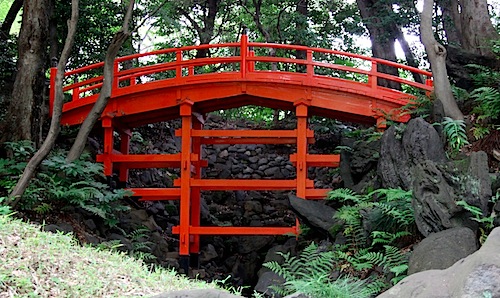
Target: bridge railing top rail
(241, 60)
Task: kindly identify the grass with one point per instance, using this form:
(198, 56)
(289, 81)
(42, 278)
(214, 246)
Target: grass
(40, 264)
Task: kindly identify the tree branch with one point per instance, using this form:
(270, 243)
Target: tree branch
(107, 86)
(49, 142)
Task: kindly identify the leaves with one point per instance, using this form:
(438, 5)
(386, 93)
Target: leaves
(455, 133)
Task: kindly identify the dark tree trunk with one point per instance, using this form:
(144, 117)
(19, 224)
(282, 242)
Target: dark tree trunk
(381, 37)
(477, 30)
(24, 114)
(10, 18)
(451, 21)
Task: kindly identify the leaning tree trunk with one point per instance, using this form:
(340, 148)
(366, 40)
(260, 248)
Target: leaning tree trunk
(24, 114)
(437, 57)
(29, 171)
(96, 112)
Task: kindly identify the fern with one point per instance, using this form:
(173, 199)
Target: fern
(488, 100)
(455, 133)
(310, 273)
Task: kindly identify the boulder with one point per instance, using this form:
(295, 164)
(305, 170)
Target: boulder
(266, 280)
(438, 186)
(404, 148)
(205, 293)
(317, 214)
(442, 249)
(477, 275)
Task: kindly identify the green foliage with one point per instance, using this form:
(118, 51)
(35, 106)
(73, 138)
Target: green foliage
(141, 249)
(4, 210)
(59, 184)
(455, 133)
(310, 274)
(488, 102)
(252, 113)
(420, 106)
(486, 221)
(391, 215)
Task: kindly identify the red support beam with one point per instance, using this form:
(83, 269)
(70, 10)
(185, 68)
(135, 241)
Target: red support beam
(185, 180)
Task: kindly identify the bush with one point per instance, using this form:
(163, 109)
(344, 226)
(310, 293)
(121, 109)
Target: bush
(58, 184)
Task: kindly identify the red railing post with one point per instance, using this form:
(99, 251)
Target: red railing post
(243, 53)
(178, 61)
(372, 78)
(116, 82)
(251, 64)
(310, 67)
(53, 74)
(430, 83)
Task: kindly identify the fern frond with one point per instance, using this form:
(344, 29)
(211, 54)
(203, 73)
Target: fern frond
(345, 194)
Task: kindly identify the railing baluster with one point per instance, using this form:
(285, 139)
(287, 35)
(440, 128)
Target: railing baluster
(178, 68)
(116, 81)
(310, 67)
(372, 78)
(243, 54)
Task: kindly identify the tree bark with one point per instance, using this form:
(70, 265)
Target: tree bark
(10, 18)
(477, 30)
(23, 119)
(437, 57)
(29, 171)
(107, 86)
(381, 38)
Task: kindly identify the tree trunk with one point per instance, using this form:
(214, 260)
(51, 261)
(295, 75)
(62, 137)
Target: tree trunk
(477, 30)
(23, 119)
(451, 21)
(105, 93)
(29, 171)
(381, 38)
(437, 57)
(10, 18)
(410, 58)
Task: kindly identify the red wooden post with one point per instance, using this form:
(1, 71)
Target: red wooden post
(186, 115)
(124, 149)
(116, 82)
(301, 113)
(310, 67)
(107, 124)
(243, 54)
(178, 61)
(53, 74)
(195, 192)
(372, 78)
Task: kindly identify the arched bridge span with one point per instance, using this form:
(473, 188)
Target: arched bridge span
(167, 84)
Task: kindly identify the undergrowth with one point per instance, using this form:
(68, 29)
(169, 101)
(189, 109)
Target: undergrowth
(58, 184)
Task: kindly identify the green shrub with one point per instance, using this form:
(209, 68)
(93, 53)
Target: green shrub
(310, 274)
(58, 184)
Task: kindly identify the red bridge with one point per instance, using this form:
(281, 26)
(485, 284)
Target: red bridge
(147, 91)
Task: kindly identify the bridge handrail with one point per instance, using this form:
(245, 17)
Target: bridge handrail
(246, 59)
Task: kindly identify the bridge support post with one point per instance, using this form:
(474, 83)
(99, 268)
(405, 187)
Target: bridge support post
(124, 149)
(194, 247)
(185, 180)
(107, 125)
(301, 109)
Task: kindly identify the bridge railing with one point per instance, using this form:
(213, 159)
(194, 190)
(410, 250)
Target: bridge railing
(235, 61)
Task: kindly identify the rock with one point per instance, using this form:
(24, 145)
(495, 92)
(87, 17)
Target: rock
(60, 227)
(197, 293)
(250, 244)
(315, 213)
(266, 280)
(442, 249)
(477, 275)
(208, 253)
(437, 188)
(402, 150)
